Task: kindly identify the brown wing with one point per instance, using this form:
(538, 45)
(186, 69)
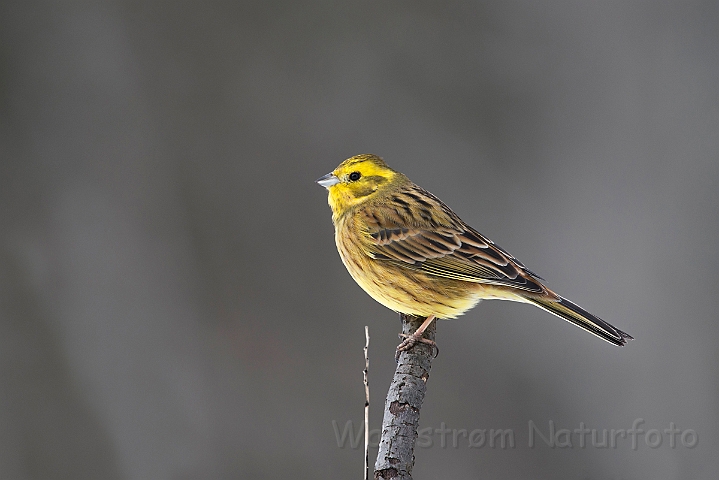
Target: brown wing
(414, 229)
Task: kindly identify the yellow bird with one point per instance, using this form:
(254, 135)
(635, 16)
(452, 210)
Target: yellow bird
(411, 253)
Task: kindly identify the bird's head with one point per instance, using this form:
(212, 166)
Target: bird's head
(357, 180)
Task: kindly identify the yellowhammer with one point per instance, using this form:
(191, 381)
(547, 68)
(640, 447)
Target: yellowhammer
(413, 254)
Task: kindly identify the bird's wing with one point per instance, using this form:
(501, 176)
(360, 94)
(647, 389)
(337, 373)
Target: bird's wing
(415, 230)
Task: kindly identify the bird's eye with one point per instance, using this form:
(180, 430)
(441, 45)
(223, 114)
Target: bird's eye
(354, 176)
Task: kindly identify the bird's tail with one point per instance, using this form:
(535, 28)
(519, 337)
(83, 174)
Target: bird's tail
(575, 314)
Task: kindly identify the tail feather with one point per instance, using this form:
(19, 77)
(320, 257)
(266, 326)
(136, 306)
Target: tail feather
(575, 314)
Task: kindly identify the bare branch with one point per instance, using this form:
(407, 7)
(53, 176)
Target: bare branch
(366, 403)
(395, 458)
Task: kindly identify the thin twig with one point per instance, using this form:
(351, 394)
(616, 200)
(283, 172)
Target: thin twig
(395, 458)
(366, 404)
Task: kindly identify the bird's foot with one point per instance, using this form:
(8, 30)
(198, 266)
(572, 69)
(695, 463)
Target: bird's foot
(410, 340)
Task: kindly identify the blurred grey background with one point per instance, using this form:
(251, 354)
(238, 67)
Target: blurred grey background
(171, 302)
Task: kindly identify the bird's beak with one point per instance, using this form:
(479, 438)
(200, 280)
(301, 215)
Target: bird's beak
(328, 180)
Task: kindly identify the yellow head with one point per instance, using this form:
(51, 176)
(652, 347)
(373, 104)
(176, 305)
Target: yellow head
(356, 180)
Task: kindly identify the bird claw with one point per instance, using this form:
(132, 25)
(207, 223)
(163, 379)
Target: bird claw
(410, 340)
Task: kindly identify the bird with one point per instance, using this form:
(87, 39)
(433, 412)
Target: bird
(411, 253)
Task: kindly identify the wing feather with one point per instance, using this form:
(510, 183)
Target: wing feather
(433, 239)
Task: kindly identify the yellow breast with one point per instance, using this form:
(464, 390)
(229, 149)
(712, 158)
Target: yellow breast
(400, 288)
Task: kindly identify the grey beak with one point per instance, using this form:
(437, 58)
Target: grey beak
(328, 180)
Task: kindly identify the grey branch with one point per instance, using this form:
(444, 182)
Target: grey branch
(395, 458)
(366, 403)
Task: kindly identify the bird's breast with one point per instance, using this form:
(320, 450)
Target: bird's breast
(400, 287)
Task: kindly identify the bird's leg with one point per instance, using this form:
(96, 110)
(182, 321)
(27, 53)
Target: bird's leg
(410, 340)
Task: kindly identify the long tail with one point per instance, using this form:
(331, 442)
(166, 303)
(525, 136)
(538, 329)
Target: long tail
(575, 314)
